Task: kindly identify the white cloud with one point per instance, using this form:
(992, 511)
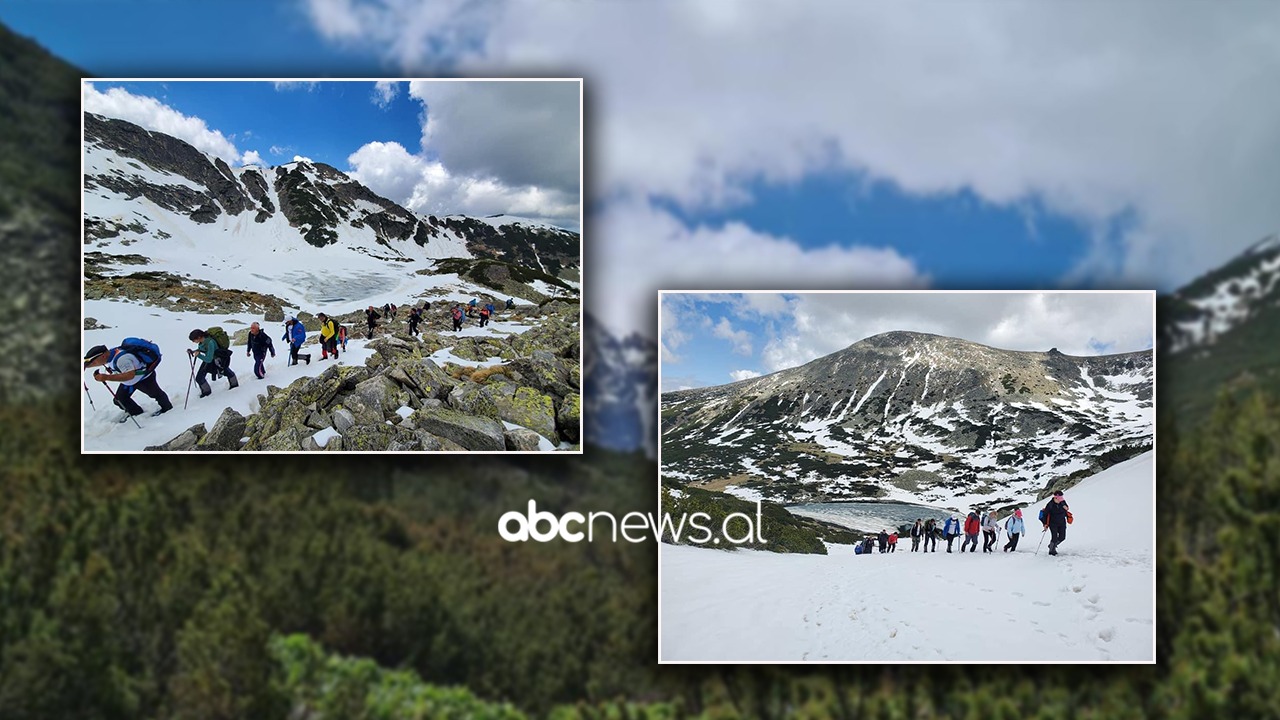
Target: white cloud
(290, 85)
(279, 150)
(650, 250)
(154, 115)
(302, 158)
(251, 157)
(1074, 323)
(518, 133)
(384, 91)
(1163, 114)
(743, 374)
(740, 340)
(429, 187)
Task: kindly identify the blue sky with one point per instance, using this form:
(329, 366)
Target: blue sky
(326, 122)
(716, 338)
(816, 144)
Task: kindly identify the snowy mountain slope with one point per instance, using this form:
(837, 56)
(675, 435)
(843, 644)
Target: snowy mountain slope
(1218, 333)
(1094, 602)
(913, 417)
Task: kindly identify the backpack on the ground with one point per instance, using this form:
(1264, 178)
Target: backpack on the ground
(219, 336)
(147, 352)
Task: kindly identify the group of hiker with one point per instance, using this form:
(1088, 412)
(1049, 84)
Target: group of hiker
(133, 362)
(925, 534)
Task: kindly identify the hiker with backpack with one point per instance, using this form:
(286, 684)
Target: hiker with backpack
(342, 337)
(511, 303)
(484, 316)
(295, 334)
(393, 311)
(456, 312)
(893, 542)
(328, 337)
(990, 531)
(972, 526)
(212, 350)
(930, 535)
(916, 531)
(132, 364)
(1014, 528)
(371, 318)
(415, 317)
(471, 307)
(951, 530)
(259, 345)
(1056, 516)
(883, 538)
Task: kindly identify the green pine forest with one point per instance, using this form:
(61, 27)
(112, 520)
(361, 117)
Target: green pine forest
(364, 587)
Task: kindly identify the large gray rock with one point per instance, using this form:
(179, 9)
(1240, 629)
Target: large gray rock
(343, 420)
(545, 372)
(521, 439)
(468, 431)
(424, 378)
(289, 439)
(529, 408)
(225, 433)
(186, 440)
(366, 438)
(373, 400)
(569, 418)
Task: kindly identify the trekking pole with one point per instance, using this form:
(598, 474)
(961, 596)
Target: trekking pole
(187, 398)
(1042, 532)
(117, 399)
(86, 394)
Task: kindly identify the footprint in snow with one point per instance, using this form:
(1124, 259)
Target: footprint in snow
(1094, 599)
(1106, 634)
(1017, 594)
(893, 633)
(1076, 588)
(1041, 603)
(1143, 621)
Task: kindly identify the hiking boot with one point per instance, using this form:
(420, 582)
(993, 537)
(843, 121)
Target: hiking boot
(161, 411)
(307, 358)
(232, 383)
(124, 418)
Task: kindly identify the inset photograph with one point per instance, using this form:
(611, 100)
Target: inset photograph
(916, 476)
(332, 265)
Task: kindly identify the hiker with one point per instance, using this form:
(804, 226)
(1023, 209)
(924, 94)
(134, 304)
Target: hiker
(492, 310)
(1055, 516)
(393, 311)
(951, 530)
(133, 365)
(415, 317)
(893, 542)
(457, 318)
(484, 316)
(916, 531)
(930, 535)
(990, 531)
(214, 360)
(259, 345)
(972, 525)
(883, 537)
(342, 337)
(1014, 528)
(471, 307)
(511, 303)
(295, 334)
(328, 337)
(371, 318)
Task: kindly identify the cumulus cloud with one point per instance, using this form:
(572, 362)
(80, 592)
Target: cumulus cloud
(429, 187)
(1085, 323)
(280, 150)
(518, 133)
(650, 250)
(743, 374)
(384, 91)
(1153, 125)
(739, 340)
(154, 115)
(251, 157)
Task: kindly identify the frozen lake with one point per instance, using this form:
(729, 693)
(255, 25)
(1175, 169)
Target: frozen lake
(867, 516)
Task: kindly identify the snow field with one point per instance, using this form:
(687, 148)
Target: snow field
(1094, 602)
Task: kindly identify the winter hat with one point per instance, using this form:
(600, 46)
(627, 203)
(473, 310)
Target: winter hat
(93, 353)
(1057, 493)
(1017, 513)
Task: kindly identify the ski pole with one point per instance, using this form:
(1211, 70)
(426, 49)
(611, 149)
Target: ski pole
(86, 394)
(122, 407)
(187, 398)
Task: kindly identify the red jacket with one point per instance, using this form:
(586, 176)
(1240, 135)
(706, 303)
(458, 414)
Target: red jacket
(971, 525)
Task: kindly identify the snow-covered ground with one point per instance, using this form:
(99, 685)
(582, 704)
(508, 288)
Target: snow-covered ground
(169, 330)
(1093, 602)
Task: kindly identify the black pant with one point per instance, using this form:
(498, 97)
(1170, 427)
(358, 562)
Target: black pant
(413, 326)
(293, 354)
(147, 386)
(931, 543)
(950, 539)
(988, 541)
(1013, 542)
(215, 368)
(371, 327)
(1057, 534)
(457, 324)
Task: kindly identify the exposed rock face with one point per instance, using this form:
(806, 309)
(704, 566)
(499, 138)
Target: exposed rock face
(225, 433)
(986, 422)
(186, 440)
(469, 431)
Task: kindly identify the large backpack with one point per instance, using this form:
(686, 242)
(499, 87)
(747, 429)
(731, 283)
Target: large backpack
(147, 353)
(219, 336)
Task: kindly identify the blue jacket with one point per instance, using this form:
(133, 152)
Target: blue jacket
(297, 334)
(1014, 525)
(951, 527)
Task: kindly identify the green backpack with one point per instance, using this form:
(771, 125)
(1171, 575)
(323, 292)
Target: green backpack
(219, 336)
